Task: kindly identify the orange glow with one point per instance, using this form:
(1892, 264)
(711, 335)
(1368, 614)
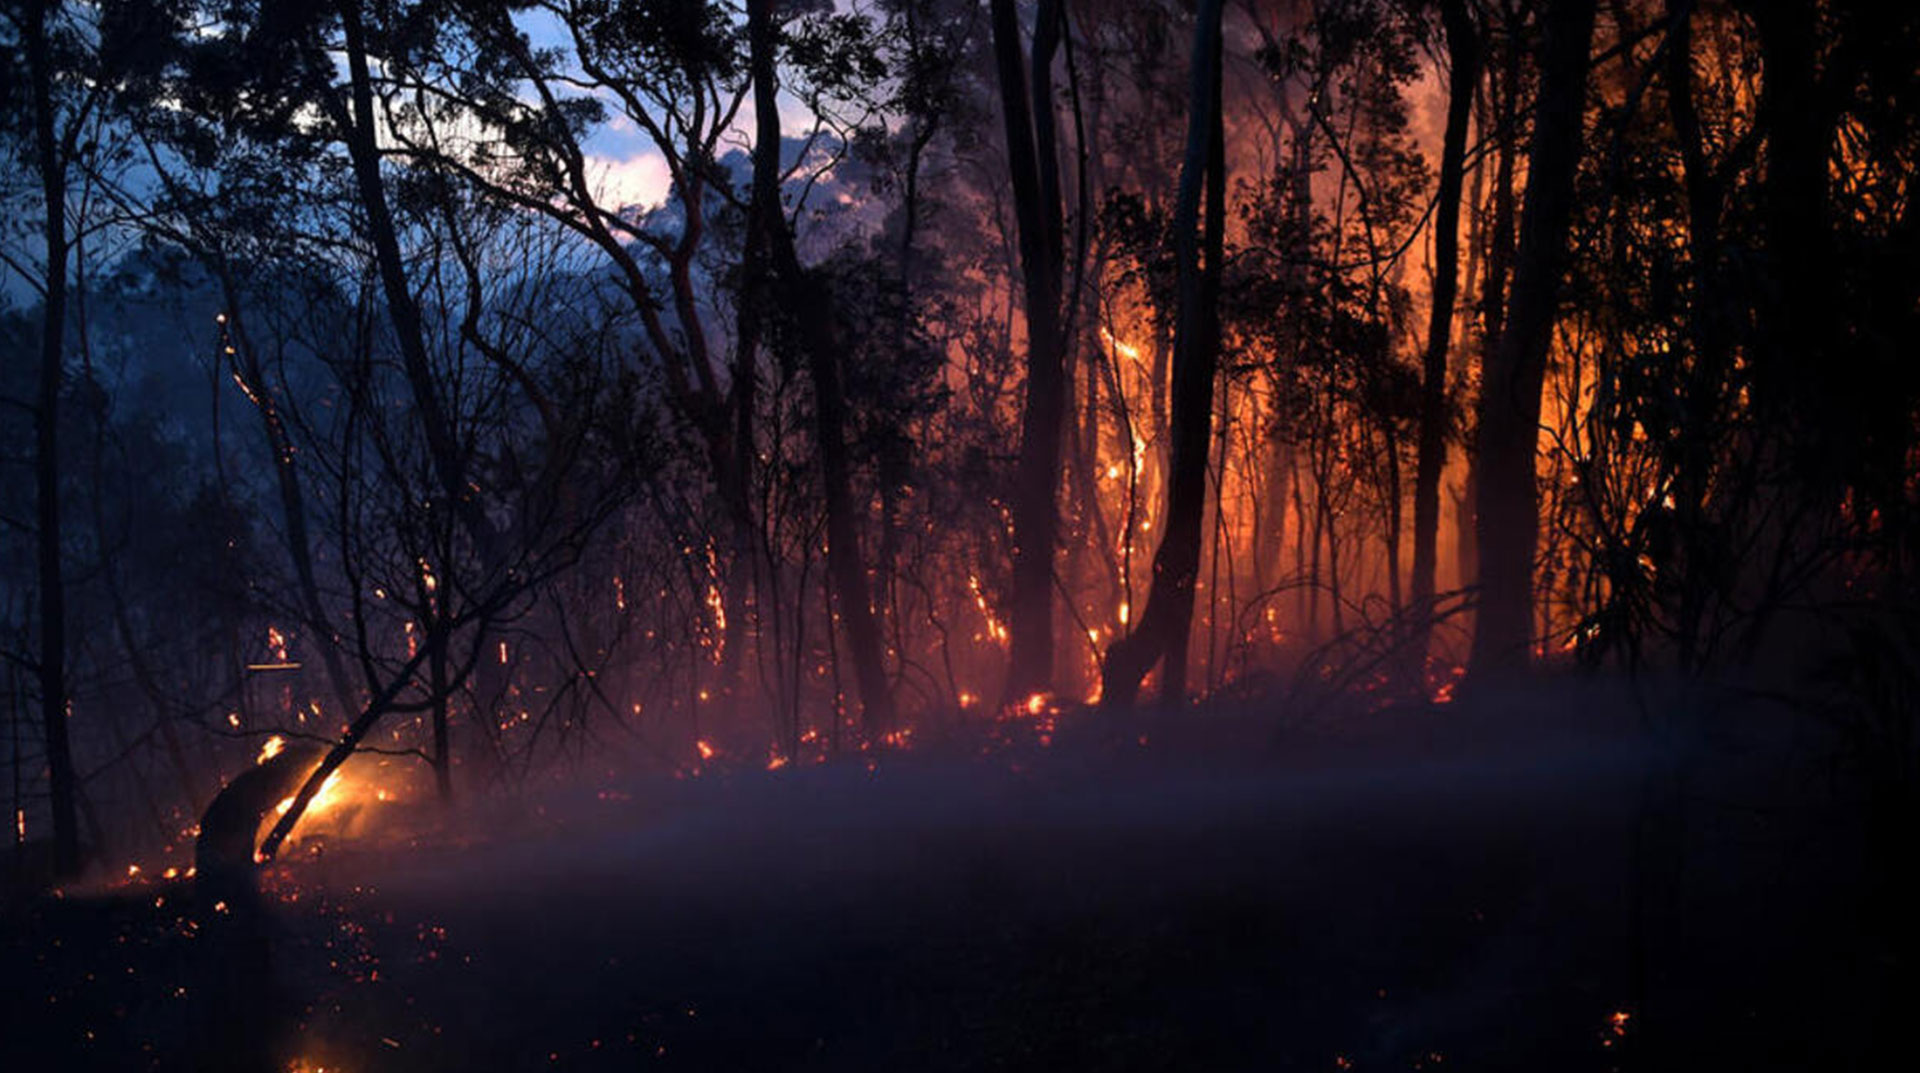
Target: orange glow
(273, 747)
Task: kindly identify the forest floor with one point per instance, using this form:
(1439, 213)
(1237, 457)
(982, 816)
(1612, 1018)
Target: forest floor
(1433, 888)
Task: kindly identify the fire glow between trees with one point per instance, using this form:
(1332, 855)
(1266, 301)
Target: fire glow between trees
(422, 414)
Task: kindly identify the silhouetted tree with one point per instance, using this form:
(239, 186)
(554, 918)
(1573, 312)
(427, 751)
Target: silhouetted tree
(1167, 622)
(1033, 160)
(1507, 506)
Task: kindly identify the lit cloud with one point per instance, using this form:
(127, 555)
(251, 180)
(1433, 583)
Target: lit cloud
(639, 180)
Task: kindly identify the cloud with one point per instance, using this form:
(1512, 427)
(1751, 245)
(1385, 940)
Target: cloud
(639, 180)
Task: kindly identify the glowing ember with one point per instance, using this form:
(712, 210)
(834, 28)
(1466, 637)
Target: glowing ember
(706, 750)
(274, 747)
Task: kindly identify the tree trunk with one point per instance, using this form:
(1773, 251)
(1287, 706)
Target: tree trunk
(801, 296)
(1508, 522)
(1033, 160)
(1463, 56)
(357, 128)
(46, 462)
(1706, 378)
(1167, 623)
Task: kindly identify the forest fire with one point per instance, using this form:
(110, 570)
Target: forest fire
(531, 531)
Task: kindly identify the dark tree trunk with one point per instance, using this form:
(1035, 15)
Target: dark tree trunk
(1507, 516)
(1167, 623)
(801, 296)
(1033, 159)
(46, 464)
(1463, 57)
(357, 126)
(357, 123)
(1705, 380)
(1504, 91)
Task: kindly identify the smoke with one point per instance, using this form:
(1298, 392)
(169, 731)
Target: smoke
(1460, 880)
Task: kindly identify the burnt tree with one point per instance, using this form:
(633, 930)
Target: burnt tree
(801, 296)
(1167, 623)
(1033, 160)
(1463, 60)
(1507, 499)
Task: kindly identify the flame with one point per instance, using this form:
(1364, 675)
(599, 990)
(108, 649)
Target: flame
(995, 628)
(274, 747)
(326, 797)
(705, 748)
(716, 603)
